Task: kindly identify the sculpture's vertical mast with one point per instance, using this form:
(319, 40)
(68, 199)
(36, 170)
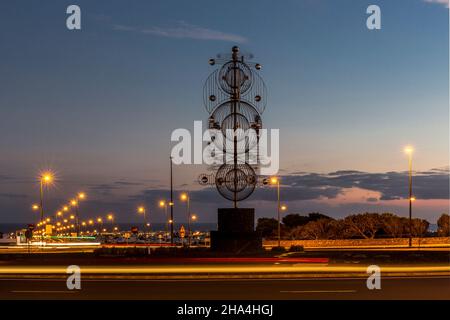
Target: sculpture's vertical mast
(235, 100)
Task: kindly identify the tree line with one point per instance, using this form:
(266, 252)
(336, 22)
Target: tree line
(315, 226)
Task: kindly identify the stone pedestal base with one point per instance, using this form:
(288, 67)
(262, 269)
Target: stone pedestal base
(236, 231)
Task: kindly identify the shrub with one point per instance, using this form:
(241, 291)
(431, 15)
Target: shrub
(443, 225)
(296, 248)
(279, 249)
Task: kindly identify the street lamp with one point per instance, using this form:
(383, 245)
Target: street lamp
(171, 200)
(185, 197)
(91, 222)
(35, 207)
(193, 218)
(409, 151)
(74, 203)
(163, 204)
(142, 210)
(46, 178)
(276, 181)
(110, 217)
(100, 221)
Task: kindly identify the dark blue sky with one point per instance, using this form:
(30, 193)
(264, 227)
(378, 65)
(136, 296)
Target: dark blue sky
(98, 105)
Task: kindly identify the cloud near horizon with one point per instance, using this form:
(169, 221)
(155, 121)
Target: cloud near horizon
(184, 30)
(427, 185)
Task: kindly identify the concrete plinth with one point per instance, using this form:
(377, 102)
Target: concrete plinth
(236, 231)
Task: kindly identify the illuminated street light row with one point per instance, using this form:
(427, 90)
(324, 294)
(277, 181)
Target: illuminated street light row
(67, 223)
(184, 197)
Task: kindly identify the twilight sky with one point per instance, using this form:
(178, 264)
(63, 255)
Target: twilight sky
(98, 105)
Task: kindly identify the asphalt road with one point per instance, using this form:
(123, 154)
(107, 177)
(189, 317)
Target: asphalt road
(39, 287)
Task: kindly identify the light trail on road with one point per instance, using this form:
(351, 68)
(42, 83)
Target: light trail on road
(225, 269)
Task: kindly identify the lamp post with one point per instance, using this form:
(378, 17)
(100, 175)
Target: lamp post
(35, 207)
(45, 178)
(171, 201)
(276, 181)
(163, 204)
(74, 203)
(142, 210)
(91, 222)
(185, 197)
(110, 217)
(100, 221)
(58, 215)
(193, 218)
(81, 197)
(409, 151)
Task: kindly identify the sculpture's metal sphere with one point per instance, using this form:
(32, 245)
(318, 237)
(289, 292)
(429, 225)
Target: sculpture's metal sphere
(236, 180)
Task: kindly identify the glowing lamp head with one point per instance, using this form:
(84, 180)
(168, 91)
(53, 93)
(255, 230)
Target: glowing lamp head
(47, 177)
(184, 197)
(110, 217)
(73, 202)
(194, 217)
(162, 203)
(408, 150)
(141, 209)
(412, 198)
(274, 180)
(283, 208)
(35, 207)
(99, 220)
(81, 195)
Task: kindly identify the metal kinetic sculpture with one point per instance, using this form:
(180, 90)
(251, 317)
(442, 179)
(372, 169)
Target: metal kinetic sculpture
(235, 98)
